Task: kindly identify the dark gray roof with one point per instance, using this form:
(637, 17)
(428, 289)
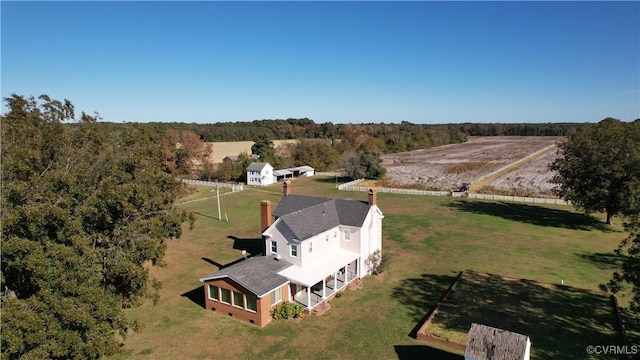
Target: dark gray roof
(258, 274)
(352, 212)
(488, 343)
(313, 220)
(256, 166)
(307, 216)
(292, 203)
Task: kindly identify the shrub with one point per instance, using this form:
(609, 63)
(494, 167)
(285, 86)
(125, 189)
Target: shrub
(378, 262)
(287, 310)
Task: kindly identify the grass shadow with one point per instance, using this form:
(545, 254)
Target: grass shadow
(604, 261)
(532, 214)
(410, 352)
(196, 295)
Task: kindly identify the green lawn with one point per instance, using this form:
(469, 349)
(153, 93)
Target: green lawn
(430, 240)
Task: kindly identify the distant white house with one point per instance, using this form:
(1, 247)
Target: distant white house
(260, 173)
(487, 343)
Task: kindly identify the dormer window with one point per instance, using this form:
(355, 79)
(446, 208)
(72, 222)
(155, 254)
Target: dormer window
(347, 235)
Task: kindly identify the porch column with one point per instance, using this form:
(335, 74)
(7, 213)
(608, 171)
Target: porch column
(335, 281)
(346, 274)
(309, 297)
(324, 288)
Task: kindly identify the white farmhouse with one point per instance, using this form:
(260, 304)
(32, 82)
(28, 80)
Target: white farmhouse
(314, 248)
(260, 173)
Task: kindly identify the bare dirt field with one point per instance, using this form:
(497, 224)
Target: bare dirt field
(447, 167)
(533, 178)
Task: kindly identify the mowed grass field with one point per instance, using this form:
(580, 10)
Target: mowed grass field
(429, 239)
(220, 150)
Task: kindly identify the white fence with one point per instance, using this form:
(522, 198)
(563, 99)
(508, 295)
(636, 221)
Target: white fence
(233, 187)
(350, 187)
(518, 199)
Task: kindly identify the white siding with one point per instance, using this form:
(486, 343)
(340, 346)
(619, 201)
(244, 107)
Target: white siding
(323, 243)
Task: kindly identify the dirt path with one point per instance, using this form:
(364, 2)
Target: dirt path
(480, 183)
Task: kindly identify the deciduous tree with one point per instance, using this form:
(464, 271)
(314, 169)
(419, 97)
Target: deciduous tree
(83, 210)
(596, 166)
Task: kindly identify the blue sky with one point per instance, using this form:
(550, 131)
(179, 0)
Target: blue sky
(340, 62)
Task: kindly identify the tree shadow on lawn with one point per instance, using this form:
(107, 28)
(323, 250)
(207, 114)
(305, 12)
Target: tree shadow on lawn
(421, 295)
(533, 214)
(409, 352)
(341, 179)
(604, 261)
(560, 321)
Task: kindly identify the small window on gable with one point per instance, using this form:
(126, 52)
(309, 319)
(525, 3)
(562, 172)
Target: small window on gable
(327, 237)
(310, 247)
(274, 246)
(294, 250)
(347, 235)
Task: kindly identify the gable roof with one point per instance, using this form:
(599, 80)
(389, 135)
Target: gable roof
(257, 166)
(485, 342)
(307, 216)
(258, 274)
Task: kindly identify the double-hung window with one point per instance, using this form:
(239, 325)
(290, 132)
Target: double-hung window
(276, 296)
(237, 299)
(294, 250)
(274, 246)
(251, 302)
(225, 295)
(213, 293)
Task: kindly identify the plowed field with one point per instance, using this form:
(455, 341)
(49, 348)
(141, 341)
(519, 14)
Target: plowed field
(519, 164)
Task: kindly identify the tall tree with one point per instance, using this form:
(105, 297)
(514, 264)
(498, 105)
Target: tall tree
(596, 166)
(629, 249)
(263, 147)
(83, 210)
(183, 150)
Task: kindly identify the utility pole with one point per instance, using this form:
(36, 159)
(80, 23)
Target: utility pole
(218, 196)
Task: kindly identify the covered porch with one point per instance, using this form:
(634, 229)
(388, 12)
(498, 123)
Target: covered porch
(313, 293)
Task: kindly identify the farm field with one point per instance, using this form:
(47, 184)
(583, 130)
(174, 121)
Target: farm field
(233, 148)
(533, 178)
(429, 240)
(447, 167)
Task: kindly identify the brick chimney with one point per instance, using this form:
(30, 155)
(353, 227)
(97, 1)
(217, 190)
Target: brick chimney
(286, 188)
(265, 214)
(373, 196)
